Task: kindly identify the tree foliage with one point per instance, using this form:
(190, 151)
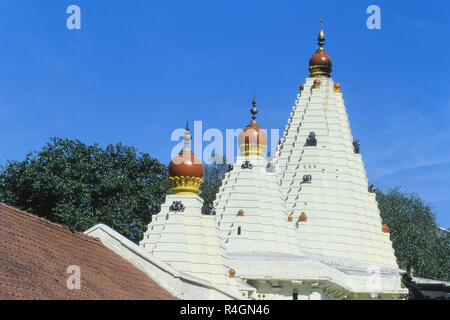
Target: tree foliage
(79, 186)
(214, 174)
(421, 247)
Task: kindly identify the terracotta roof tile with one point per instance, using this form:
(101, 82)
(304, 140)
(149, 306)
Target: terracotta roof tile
(35, 255)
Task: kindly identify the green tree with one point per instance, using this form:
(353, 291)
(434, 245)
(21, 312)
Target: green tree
(78, 186)
(420, 246)
(212, 180)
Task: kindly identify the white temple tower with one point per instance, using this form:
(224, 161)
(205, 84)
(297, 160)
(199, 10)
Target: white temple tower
(250, 210)
(181, 235)
(305, 226)
(322, 174)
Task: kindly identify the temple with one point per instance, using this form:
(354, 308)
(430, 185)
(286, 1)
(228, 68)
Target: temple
(303, 226)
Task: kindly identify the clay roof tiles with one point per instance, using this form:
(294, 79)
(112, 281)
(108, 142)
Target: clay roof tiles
(35, 255)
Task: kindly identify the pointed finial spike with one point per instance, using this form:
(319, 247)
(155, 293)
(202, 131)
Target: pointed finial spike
(187, 125)
(254, 101)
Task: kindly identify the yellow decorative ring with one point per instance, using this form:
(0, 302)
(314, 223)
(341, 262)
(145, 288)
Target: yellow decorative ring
(185, 185)
(252, 150)
(320, 72)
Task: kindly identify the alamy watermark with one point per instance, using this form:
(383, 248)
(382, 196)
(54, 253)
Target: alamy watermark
(74, 20)
(74, 280)
(218, 149)
(374, 20)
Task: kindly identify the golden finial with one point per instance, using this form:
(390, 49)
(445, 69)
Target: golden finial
(321, 38)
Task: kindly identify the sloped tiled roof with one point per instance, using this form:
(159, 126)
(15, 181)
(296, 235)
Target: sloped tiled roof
(35, 255)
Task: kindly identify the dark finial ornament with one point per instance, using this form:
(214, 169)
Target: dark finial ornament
(177, 206)
(187, 125)
(356, 145)
(372, 189)
(247, 165)
(230, 168)
(254, 110)
(307, 178)
(311, 141)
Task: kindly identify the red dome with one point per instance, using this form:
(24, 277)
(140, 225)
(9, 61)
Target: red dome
(253, 134)
(186, 164)
(321, 58)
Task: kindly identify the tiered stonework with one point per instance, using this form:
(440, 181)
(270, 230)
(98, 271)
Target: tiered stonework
(250, 212)
(343, 216)
(188, 241)
(180, 235)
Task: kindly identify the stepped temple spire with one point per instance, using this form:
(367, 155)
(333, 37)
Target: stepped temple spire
(320, 64)
(303, 225)
(253, 140)
(186, 238)
(186, 170)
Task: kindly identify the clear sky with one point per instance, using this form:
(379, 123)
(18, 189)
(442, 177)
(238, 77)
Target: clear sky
(139, 69)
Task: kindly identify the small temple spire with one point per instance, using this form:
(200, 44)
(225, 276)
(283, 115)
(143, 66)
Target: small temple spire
(186, 170)
(253, 140)
(320, 65)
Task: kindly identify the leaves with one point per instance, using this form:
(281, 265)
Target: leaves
(420, 246)
(214, 174)
(79, 186)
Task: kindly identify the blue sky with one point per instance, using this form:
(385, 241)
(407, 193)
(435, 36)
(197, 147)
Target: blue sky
(139, 69)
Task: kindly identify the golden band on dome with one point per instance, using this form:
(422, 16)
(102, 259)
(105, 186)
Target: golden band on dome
(252, 149)
(320, 72)
(186, 185)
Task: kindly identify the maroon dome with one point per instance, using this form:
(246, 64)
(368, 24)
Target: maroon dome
(321, 58)
(186, 164)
